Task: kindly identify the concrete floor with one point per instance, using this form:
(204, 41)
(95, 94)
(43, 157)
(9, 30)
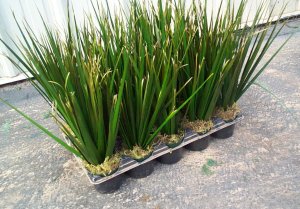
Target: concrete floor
(259, 167)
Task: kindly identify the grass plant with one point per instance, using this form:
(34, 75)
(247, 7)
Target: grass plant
(76, 74)
(206, 55)
(139, 75)
(149, 101)
(250, 41)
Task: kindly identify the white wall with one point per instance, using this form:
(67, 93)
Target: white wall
(29, 11)
(54, 13)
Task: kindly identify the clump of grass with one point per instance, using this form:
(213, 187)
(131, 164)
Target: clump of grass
(149, 102)
(136, 76)
(76, 74)
(206, 55)
(172, 133)
(249, 43)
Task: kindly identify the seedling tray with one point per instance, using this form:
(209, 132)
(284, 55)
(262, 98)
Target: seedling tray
(190, 136)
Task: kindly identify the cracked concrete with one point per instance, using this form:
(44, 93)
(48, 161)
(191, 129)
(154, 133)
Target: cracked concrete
(259, 167)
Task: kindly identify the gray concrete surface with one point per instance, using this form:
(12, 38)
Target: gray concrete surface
(259, 167)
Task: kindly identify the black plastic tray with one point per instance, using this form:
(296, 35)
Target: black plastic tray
(128, 163)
